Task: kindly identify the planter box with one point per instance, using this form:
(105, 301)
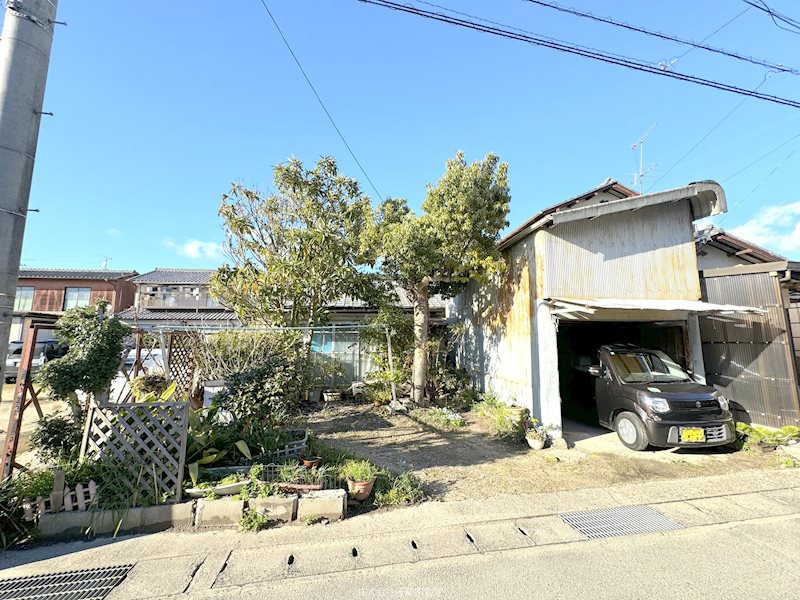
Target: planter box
(218, 513)
(294, 448)
(210, 389)
(299, 488)
(277, 508)
(229, 489)
(330, 504)
(74, 524)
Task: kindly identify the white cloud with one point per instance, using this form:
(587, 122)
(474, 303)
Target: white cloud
(113, 232)
(774, 227)
(195, 248)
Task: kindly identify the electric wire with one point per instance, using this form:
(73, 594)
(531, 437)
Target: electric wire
(709, 132)
(776, 16)
(319, 99)
(715, 32)
(584, 52)
(666, 36)
(760, 183)
(760, 158)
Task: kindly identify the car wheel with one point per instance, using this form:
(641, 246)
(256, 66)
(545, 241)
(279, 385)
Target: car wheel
(631, 431)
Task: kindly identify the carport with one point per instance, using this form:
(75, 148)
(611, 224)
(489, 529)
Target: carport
(582, 326)
(607, 266)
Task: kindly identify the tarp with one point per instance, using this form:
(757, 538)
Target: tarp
(692, 306)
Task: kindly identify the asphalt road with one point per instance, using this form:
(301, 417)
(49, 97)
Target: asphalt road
(755, 559)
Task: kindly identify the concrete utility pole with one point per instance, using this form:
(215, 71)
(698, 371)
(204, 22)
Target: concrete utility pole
(24, 58)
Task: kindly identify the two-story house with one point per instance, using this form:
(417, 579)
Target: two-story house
(168, 297)
(53, 291)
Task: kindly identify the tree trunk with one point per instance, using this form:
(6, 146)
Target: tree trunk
(420, 373)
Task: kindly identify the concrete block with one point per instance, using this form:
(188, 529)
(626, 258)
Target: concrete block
(278, 508)
(164, 516)
(331, 504)
(218, 513)
(64, 524)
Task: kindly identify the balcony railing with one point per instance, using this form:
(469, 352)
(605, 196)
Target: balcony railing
(177, 300)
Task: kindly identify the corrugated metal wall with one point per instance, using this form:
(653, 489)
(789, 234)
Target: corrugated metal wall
(648, 253)
(749, 358)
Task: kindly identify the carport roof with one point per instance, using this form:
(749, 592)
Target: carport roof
(588, 306)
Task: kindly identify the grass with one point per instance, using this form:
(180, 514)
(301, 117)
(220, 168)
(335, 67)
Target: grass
(443, 419)
(252, 520)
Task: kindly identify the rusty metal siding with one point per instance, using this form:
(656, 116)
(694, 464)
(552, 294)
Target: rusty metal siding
(496, 344)
(748, 358)
(648, 253)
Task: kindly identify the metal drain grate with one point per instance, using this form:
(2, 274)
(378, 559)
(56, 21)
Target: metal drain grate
(623, 520)
(88, 584)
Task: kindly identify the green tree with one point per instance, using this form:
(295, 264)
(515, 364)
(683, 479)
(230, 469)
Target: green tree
(454, 240)
(295, 251)
(94, 357)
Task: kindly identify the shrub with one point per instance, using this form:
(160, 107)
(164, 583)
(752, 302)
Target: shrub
(504, 420)
(358, 470)
(155, 383)
(56, 438)
(221, 355)
(403, 489)
(93, 358)
(13, 528)
(267, 395)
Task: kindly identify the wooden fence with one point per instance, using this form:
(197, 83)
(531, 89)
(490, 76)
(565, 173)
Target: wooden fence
(148, 438)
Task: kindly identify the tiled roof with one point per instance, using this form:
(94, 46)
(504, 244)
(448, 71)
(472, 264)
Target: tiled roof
(143, 314)
(186, 276)
(98, 274)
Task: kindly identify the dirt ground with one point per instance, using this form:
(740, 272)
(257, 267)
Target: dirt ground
(469, 463)
(24, 455)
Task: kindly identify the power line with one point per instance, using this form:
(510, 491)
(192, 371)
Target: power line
(666, 36)
(716, 31)
(760, 158)
(319, 99)
(708, 133)
(770, 174)
(584, 52)
(776, 16)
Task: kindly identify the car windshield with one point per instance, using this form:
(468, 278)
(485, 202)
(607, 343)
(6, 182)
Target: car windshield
(647, 366)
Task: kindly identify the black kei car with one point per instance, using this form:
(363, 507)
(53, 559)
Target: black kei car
(649, 400)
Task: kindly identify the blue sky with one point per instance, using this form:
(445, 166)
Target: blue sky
(158, 108)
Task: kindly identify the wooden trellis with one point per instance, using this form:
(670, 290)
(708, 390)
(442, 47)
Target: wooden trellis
(149, 438)
(180, 360)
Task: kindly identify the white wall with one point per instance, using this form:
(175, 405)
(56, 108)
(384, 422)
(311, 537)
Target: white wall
(709, 257)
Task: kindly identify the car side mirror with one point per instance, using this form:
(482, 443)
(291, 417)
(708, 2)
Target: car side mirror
(596, 370)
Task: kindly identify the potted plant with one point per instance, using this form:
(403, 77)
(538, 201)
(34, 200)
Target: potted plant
(360, 476)
(310, 462)
(535, 434)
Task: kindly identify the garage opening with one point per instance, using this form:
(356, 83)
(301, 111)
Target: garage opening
(578, 343)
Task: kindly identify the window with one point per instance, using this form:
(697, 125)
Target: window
(76, 297)
(24, 299)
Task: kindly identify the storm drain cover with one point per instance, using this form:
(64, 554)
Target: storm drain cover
(622, 520)
(89, 584)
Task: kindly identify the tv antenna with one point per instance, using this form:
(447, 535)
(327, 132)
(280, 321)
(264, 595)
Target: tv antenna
(641, 173)
(106, 260)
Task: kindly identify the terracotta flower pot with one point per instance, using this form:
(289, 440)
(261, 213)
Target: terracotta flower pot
(535, 443)
(310, 462)
(360, 490)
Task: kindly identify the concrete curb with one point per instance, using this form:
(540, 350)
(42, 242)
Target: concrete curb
(199, 514)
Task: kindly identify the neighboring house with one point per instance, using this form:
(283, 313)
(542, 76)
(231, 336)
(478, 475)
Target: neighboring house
(180, 297)
(176, 297)
(754, 361)
(608, 266)
(52, 291)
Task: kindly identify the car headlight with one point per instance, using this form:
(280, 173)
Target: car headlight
(659, 405)
(723, 403)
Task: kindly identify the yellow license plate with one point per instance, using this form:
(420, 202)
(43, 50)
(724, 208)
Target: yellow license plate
(693, 434)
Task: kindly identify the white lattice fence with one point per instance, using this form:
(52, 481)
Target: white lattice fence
(149, 438)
